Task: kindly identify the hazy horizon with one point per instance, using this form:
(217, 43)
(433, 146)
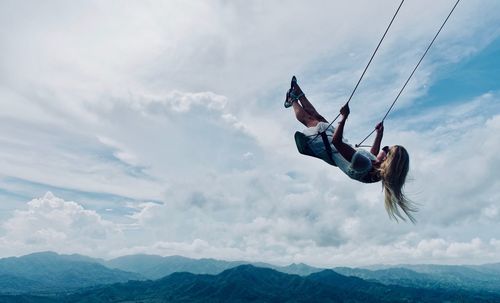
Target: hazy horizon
(369, 266)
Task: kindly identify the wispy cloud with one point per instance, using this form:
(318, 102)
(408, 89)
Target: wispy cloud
(174, 109)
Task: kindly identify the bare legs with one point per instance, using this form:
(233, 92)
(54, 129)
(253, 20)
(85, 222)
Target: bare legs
(309, 116)
(305, 111)
(309, 108)
(304, 117)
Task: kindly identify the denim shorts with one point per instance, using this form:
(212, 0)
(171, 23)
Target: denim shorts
(361, 162)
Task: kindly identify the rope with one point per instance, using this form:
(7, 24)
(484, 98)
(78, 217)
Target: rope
(367, 65)
(408, 80)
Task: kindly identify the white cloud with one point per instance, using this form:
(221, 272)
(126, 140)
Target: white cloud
(182, 102)
(50, 223)
(313, 214)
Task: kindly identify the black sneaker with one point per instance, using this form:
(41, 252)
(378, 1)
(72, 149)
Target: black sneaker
(288, 100)
(290, 95)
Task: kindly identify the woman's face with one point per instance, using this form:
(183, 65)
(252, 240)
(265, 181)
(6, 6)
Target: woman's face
(382, 155)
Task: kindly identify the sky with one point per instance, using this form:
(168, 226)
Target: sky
(158, 127)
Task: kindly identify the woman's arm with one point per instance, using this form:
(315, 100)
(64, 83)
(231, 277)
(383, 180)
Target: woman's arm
(344, 149)
(378, 139)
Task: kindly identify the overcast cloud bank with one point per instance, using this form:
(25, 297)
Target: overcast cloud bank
(177, 108)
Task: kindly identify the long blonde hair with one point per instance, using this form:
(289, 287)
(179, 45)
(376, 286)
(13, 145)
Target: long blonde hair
(393, 173)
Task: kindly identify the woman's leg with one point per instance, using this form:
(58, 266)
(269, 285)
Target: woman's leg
(306, 105)
(303, 116)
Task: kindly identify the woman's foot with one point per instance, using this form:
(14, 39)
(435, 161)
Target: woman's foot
(289, 100)
(294, 93)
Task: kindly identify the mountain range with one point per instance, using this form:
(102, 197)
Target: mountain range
(50, 277)
(460, 277)
(51, 272)
(155, 267)
(247, 283)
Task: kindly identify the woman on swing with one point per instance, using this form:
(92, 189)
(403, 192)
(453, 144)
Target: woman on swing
(389, 165)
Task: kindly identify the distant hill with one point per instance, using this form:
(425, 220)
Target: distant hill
(479, 277)
(470, 277)
(393, 276)
(298, 269)
(13, 284)
(483, 277)
(247, 283)
(48, 271)
(155, 267)
(396, 293)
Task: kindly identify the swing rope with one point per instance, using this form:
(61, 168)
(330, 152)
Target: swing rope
(367, 65)
(408, 80)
